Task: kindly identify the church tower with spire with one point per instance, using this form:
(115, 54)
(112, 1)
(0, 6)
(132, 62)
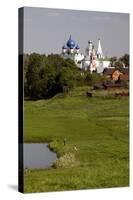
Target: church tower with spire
(99, 50)
(93, 60)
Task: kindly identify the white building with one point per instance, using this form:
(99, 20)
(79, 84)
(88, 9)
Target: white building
(93, 60)
(70, 50)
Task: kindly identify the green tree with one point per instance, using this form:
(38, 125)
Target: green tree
(125, 60)
(32, 75)
(47, 75)
(118, 65)
(113, 60)
(66, 78)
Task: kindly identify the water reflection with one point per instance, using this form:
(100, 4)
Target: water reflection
(38, 155)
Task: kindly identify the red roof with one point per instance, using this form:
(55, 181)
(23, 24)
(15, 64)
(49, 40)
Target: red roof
(108, 71)
(124, 77)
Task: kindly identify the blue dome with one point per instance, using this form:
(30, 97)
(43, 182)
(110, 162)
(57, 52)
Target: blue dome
(77, 47)
(70, 43)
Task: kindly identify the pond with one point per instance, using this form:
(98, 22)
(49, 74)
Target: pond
(38, 155)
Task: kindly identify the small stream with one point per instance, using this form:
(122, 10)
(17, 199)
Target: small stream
(38, 156)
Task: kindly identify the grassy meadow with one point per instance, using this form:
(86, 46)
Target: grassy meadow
(96, 131)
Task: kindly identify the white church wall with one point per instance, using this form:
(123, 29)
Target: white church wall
(106, 63)
(90, 61)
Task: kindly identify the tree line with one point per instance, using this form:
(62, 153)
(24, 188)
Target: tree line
(46, 76)
(121, 62)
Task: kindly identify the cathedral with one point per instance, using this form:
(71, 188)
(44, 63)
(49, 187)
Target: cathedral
(93, 59)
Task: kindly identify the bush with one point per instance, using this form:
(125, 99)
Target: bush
(91, 79)
(66, 161)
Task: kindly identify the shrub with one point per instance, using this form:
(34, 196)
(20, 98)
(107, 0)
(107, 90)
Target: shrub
(66, 161)
(91, 79)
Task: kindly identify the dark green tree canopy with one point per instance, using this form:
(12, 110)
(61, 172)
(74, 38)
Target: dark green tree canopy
(120, 62)
(46, 76)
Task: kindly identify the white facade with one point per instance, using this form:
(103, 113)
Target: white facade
(72, 51)
(93, 60)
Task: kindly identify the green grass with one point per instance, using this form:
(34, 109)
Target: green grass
(97, 127)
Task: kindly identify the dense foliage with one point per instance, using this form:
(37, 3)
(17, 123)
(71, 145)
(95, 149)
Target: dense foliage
(121, 62)
(46, 76)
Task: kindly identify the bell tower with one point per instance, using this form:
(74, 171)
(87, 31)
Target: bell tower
(99, 50)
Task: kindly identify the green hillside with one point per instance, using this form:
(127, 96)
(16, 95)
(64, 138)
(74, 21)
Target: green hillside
(97, 140)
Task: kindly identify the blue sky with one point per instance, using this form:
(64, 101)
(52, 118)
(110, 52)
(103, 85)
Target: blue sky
(46, 30)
